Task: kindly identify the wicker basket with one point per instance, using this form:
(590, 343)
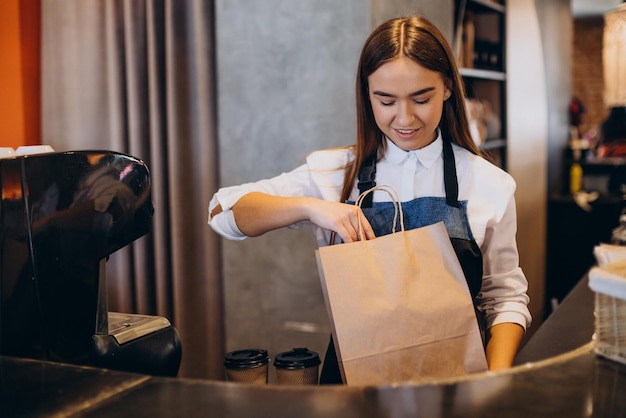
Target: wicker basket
(609, 284)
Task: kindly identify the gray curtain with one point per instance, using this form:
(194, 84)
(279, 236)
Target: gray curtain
(137, 76)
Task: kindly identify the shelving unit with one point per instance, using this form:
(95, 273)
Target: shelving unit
(480, 47)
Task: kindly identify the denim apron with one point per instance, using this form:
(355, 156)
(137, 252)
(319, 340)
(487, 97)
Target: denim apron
(418, 213)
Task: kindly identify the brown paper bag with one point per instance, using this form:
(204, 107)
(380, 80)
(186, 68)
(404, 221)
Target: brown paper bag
(400, 308)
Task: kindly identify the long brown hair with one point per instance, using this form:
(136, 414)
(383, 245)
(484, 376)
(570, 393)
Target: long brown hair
(417, 38)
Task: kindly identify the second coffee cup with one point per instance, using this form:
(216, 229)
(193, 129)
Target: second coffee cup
(297, 367)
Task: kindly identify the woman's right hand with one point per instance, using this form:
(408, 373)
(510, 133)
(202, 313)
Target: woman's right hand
(346, 220)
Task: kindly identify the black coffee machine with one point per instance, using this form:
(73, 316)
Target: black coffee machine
(61, 215)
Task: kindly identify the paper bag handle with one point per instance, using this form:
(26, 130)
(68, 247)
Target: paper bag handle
(397, 205)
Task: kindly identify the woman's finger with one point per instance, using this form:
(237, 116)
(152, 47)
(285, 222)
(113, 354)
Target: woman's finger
(347, 233)
(363, 227)
(368, 232)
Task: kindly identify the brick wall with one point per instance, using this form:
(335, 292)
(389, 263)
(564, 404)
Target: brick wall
(587, 77)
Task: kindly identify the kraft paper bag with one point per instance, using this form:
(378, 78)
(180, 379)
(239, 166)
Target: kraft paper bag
(400, 308)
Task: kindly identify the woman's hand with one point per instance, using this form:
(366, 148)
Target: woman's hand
(346, 220)
(257, 213)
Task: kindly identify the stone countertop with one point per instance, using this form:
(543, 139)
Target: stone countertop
(570, 382)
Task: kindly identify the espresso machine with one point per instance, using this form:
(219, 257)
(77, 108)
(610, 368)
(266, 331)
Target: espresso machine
(62, 214)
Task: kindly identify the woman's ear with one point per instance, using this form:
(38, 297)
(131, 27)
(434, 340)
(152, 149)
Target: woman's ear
(447, 94)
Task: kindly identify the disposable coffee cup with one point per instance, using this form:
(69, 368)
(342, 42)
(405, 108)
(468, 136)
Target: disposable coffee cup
(299, 366)
(247, 366)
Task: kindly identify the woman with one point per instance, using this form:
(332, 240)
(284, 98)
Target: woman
(412, 134)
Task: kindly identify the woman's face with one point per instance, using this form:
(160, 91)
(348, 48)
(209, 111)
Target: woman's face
(407, 101)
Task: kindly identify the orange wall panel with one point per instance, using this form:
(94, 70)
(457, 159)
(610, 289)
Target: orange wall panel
(20, 73)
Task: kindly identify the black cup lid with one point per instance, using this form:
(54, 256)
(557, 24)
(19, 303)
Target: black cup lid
(246, 359)
(297, 358)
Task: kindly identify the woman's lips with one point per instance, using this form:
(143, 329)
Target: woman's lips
(405, 133)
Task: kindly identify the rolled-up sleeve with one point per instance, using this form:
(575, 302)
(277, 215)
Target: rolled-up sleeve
(225, 225)
(503, 296)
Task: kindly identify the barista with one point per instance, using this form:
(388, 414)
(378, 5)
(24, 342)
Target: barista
(412, 131)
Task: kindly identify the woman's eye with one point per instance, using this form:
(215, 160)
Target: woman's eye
(392, 102)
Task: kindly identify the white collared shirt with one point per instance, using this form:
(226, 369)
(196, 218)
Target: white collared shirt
(488, 190)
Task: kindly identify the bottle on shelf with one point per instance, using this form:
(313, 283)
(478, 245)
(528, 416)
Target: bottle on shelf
(575, 177)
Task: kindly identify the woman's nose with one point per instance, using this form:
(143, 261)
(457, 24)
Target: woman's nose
(405, 114)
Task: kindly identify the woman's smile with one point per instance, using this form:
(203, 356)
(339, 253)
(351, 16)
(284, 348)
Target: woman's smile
(406, 133)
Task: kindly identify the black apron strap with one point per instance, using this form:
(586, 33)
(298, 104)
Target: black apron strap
(449, 174)
(467, 251)
(367, 175)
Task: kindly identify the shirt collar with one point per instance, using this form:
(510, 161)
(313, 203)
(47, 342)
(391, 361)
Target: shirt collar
(426, 156)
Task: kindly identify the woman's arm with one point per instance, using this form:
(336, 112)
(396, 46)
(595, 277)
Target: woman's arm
(503, 297)
(504, 341)
(257, 213)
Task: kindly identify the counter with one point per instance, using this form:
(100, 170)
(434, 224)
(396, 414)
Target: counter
(571, 382)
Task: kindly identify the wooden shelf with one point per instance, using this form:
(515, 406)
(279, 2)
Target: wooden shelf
(480, 48)
(483, 74)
